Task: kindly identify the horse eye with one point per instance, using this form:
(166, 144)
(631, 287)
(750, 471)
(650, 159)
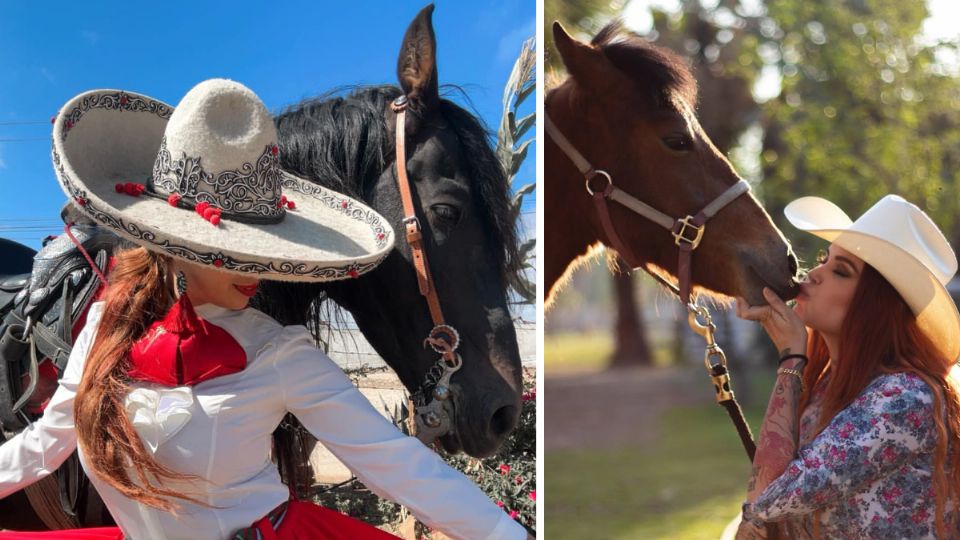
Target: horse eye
(678, 143)
(448, 214)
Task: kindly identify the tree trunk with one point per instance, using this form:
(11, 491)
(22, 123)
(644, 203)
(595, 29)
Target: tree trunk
(631, 341)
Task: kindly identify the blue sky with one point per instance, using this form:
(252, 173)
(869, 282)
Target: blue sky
(282, 51)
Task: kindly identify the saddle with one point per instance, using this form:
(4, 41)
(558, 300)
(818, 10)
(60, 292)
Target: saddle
(38, 316)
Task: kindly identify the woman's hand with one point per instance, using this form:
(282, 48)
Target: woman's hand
(784, 327)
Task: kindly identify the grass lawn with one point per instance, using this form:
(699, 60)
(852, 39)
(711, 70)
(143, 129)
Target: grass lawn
(687, 485)
(590, 351)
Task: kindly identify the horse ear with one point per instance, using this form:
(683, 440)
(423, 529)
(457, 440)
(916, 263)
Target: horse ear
(581, 60)
(417, 63)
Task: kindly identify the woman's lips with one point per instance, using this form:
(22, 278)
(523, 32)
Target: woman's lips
(247, 290)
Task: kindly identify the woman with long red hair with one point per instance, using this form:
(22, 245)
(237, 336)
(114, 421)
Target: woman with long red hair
(174, 387)
(861, 437)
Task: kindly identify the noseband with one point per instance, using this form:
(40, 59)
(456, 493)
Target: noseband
(687, 233)
(431, 419)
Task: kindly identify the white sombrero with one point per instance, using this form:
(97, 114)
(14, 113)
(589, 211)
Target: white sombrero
(217, 149)
(902, 243)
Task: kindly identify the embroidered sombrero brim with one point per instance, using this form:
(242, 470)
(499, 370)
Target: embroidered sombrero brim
(105, 137)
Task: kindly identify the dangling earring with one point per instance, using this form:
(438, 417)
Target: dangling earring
(181, 283)
(182, 317)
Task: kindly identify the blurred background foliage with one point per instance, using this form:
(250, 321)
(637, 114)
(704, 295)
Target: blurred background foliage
(843, 99)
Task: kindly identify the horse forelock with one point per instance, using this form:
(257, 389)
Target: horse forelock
(663, 72)
(341, 140)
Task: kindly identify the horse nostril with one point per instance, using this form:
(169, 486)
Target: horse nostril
(503, 421)
(793, 264)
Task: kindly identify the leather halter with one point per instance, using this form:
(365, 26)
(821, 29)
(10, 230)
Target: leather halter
(443, 338)
(687, 231)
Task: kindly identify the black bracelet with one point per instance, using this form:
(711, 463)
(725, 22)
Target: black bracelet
(786, 357)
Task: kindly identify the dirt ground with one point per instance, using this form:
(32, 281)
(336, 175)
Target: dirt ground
(614, 408)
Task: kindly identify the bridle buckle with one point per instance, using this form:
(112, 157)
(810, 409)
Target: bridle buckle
(687, 226)
(411, 220)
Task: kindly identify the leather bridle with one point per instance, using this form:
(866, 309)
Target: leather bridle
(431, 419)
(687, 233)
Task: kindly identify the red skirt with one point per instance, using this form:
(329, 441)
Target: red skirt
(98, 533)
(298, 520)
(295, 520)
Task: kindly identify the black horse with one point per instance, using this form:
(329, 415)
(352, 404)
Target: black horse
(347, 143)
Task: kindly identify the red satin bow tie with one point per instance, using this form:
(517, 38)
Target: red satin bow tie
(183, 349)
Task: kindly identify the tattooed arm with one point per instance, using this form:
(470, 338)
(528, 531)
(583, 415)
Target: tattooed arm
(777, 444)
(779, 433)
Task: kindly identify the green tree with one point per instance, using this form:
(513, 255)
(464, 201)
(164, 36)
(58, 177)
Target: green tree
(585, 17)
(864, 110)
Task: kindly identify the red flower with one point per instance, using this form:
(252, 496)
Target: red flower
(353, 273)
(518, 480)
(514, 514)
(891, 494)
(504, 469)
(895, 391)
(533, 495)
(173, 199)
(500, 504)
(291, 205)
(275, 150)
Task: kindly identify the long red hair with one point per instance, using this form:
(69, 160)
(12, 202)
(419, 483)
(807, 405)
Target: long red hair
(138, 294)
(880, 335)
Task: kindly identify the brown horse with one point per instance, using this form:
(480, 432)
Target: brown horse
(627, 107)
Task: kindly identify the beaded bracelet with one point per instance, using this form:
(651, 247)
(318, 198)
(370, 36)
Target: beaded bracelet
(796, 373)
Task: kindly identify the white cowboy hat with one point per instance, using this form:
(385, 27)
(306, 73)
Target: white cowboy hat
(902, 243)
(217, 149)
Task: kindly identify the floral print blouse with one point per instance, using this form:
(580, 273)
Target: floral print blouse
(867, 474)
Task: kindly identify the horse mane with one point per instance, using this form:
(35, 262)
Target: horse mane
(341, 140)
(661, 70)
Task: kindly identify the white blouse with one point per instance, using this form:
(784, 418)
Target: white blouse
(220, 430)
